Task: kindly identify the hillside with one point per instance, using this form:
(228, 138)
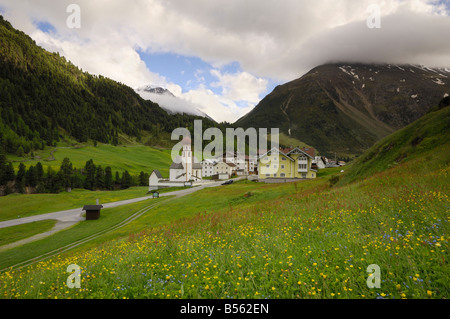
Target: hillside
(248, 240)
(346, 108)
(251, 240)
(426, 138)
(43, 97)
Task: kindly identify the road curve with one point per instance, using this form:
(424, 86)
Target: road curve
(75, 215)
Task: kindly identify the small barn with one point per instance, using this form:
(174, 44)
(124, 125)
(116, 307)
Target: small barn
(92, 211)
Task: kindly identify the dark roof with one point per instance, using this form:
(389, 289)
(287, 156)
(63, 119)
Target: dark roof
(157, 173)
(92, 207)
(176, 166)
(228, 163)
(197, 166)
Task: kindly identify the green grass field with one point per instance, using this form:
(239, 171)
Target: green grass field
(303, 240)
(312, 239)
(134, 158)
(19, 205)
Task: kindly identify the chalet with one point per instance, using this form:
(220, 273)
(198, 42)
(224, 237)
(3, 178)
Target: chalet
(292, 163)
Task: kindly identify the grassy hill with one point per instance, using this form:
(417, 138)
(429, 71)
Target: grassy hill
(249, 240)
(427, 139)
(134, 158)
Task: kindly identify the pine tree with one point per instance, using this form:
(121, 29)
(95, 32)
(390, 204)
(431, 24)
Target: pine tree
(39, 174)
(30, 177)
(90, 171)
(20, 178)
(143, 179)
(126, 180)
(65, 173)
(108, 182)
(100, 178)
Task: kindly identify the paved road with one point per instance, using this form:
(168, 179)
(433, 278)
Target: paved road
(71, 216)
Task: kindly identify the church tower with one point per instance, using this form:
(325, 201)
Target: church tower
(186, 157)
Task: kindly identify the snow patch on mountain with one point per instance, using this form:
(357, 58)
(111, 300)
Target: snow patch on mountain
(168, 101)
(438, 81)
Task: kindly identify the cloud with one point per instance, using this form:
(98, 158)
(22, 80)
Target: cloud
(240, 86)
(218, 107)
(271, 39)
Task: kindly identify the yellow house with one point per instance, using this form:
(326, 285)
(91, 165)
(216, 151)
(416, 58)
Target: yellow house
(295, 163)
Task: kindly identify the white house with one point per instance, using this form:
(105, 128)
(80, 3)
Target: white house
(319, 161)
(208, 167)
(224, 169)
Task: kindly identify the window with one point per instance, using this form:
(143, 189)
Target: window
(303, 175)
(275, 166)
(267, 175)
(275, 175)
(282, 166)
(301, 166)
(282, 175)
(275, 158)
(283, 158)
(267, 166)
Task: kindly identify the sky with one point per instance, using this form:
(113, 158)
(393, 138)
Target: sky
(224, 56)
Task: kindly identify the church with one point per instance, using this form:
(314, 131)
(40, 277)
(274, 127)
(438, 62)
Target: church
(186, 167)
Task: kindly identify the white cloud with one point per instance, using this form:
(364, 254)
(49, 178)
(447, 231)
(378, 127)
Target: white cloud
(241, 86)
(273, 39)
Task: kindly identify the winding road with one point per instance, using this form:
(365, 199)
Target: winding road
(68, 218)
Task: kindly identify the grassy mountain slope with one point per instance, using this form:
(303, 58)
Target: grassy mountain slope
(426, 138)
(346, 108)
(302, 240)
(133, 158)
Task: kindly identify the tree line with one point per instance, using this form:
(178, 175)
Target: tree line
(36, 179)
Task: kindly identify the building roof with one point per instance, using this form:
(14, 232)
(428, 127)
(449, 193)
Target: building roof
(278, 151)
(197, 166)
(176, 166)
(310, 152)
(228, 163)
(157, 173)
(306, 151)
(92, 207)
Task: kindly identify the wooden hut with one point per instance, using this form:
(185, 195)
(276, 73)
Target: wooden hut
(92, 211)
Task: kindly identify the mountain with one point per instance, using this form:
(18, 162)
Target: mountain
(346, 108)
(169, 102)
(44, 97)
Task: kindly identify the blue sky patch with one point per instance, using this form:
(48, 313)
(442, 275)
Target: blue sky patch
(45, 26)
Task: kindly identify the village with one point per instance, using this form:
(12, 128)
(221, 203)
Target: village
(277, 165)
